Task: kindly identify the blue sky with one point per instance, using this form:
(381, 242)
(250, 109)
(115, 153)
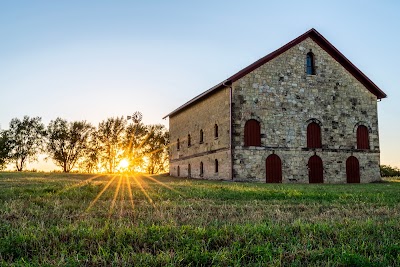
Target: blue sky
(90, 60)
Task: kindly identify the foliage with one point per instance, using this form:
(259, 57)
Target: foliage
(136, 136)
(67, 142)
(91, 158)
(4, 148)
(388, 171)
(87, 149)
(27, 138)
(181, 222)
(156, 149)
(110, 137)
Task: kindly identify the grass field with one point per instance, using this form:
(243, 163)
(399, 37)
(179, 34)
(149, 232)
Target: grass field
(76, 219)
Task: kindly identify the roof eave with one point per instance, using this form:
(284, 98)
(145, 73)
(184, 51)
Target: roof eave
(316, 37)
(197, 98)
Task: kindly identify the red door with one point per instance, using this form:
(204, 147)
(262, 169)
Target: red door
(352, 170)
(273, 166)
(315, 170)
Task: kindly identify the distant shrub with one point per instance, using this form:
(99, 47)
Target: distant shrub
(389, 171)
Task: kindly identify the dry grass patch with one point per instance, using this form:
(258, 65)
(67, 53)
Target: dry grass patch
(59, 219)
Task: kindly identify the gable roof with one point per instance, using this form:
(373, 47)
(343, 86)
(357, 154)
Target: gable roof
(317, 38)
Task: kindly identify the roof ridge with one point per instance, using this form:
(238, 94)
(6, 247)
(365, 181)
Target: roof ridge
(316, 37)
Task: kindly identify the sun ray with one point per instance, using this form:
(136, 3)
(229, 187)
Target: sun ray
(155, 151)
(143, 191)
(122, 199)
(115, 197)
(163, 184)
(79, 184)
(147, 186)
(99, 194)
(128, 183)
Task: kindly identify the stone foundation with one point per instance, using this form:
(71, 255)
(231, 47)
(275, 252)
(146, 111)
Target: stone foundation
(249, 165)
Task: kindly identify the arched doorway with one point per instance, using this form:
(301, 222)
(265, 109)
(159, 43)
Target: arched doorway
(352, 170)
(273, 166)
(315, 170)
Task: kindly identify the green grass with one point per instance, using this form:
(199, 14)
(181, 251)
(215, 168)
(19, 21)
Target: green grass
(53, 219)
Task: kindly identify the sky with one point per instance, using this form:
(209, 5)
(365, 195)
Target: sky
(91, 60)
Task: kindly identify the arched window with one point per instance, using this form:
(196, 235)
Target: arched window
(201, 136)
(310, 63)
(252, 135)
(189, 171)
(352, 170)
(362, 137)
(179, 171)
(201, 169)
(314, 135)
(216, 131)
(178, 144)
(216, 165)
(189, 140)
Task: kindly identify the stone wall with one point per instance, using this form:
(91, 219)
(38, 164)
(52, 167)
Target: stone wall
(204, 115)
(284, 99)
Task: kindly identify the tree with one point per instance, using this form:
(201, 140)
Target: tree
(4, 149)
(67, 142)
(136, 136)
(111, 139)
(26, 140)
(156, 148)
(389, 171)
(91, 158)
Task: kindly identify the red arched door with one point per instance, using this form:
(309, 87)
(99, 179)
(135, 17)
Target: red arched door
(273, 166)
(315, 170)
(352, 170)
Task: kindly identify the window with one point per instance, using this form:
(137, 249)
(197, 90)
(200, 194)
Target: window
(314, 135)
(201, 136)
(252, 136)
(310, 64)
(178, 144)
(362, 137)
(179, 171)
(201, 169)
(216, 165)
(216, 131)
(189, 141)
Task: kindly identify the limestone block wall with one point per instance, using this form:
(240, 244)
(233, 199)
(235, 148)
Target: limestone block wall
(190, 167)
(203, 115)
(284, 99)
(250, 165)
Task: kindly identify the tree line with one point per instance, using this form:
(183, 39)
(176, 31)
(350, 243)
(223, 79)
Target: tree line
(78, 145)
(389, 171)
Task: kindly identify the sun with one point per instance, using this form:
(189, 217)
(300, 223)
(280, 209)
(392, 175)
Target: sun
(123, 164)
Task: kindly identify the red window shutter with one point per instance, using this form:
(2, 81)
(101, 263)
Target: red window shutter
(252, 135)
(362, 137)
(314, 135)
(352, 170)
(273, 166)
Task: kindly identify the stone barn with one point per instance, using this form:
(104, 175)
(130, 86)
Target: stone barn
(303, 113)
